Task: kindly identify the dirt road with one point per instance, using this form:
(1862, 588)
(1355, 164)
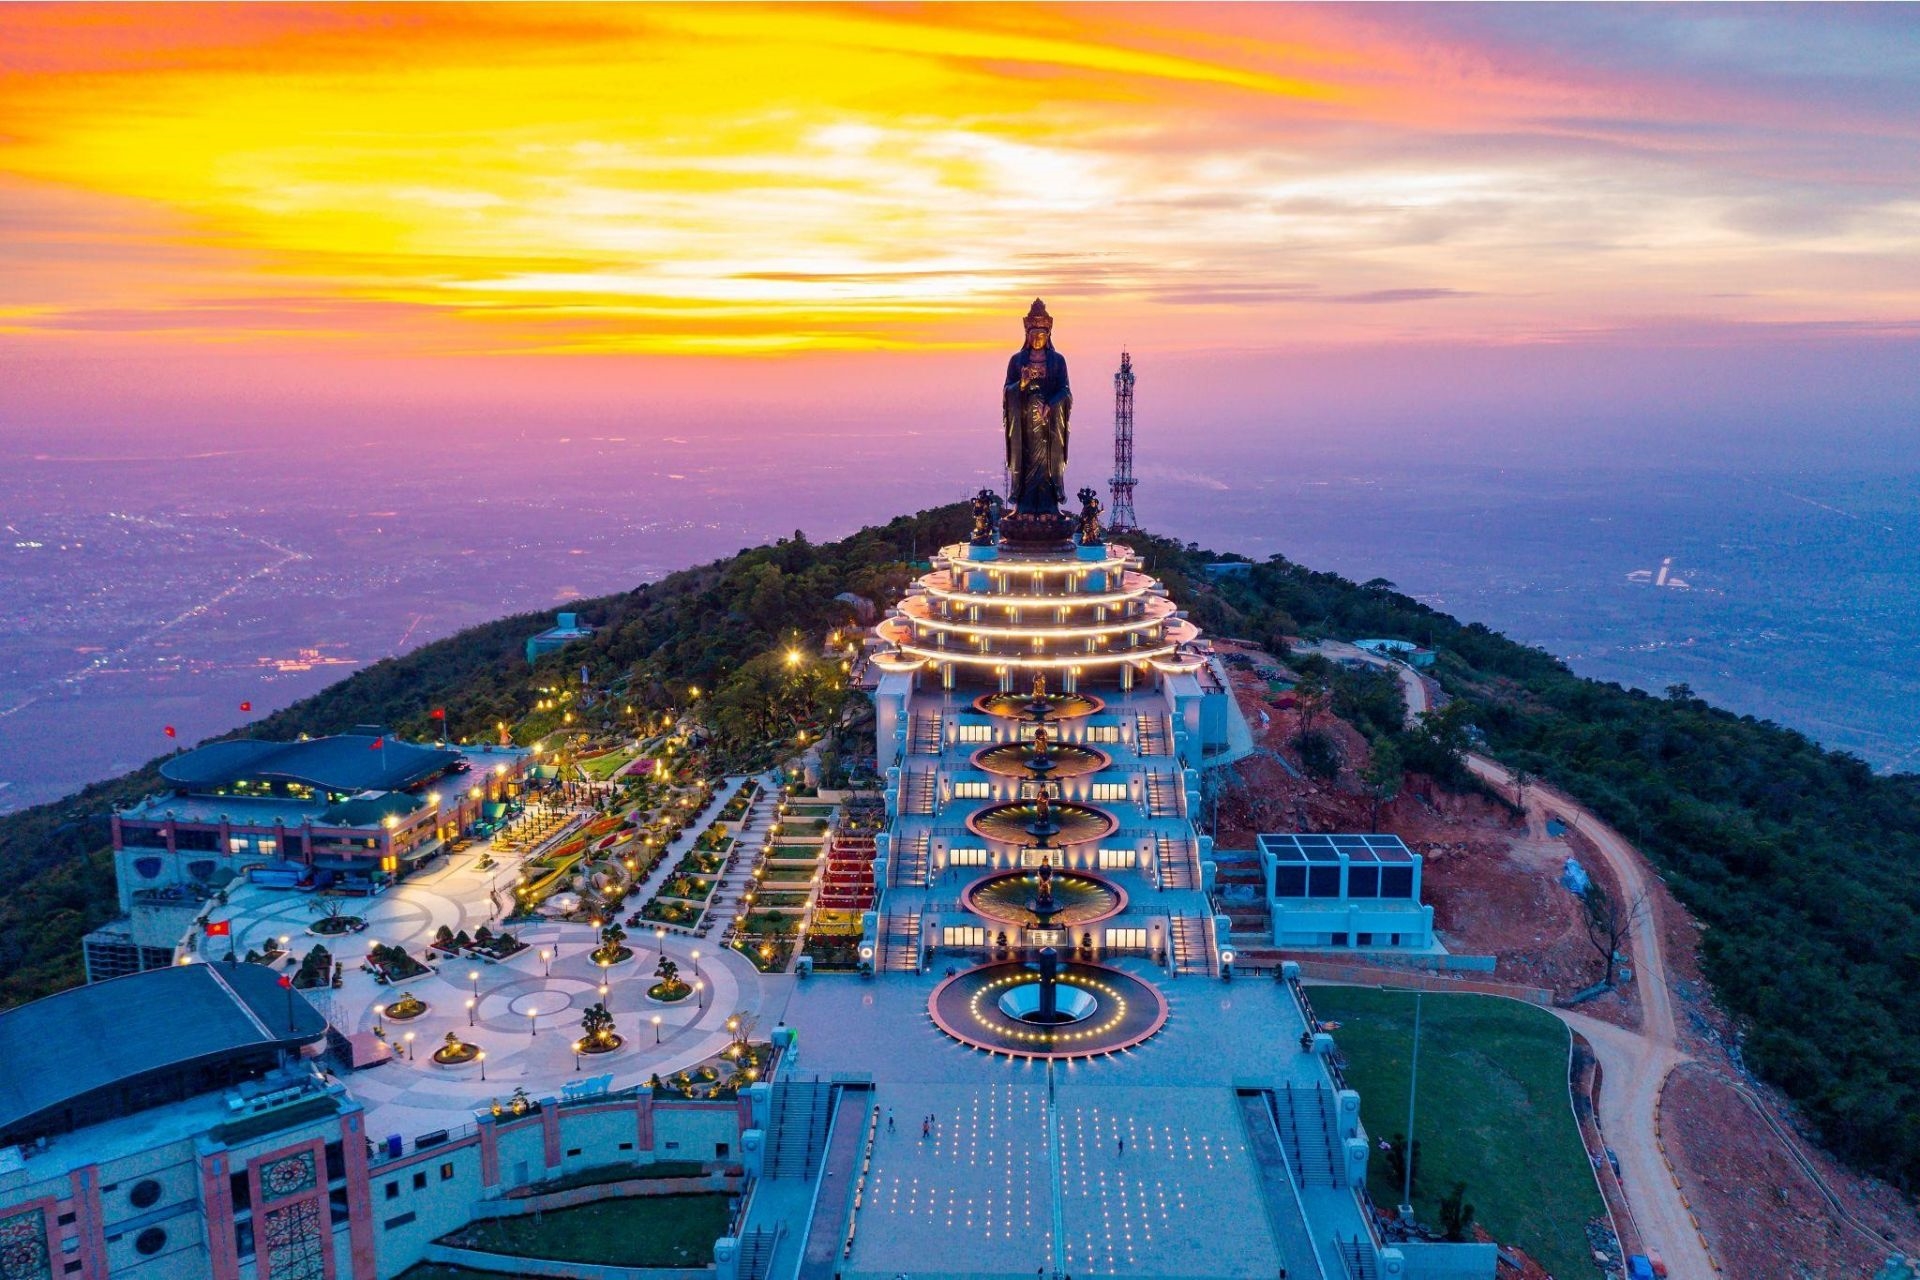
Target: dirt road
(1633, 1064)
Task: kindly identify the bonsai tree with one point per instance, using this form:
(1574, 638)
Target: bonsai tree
(596, 1026)
(443, 936)
(668, 972)
(611, 936)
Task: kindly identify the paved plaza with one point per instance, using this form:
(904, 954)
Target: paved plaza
(526, 1010)
(1134, 1164)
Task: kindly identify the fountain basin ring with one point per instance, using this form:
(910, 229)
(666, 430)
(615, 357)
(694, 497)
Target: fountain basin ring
(1070, 759)
(1060, 706)
(1006, 897)
(971, 1008)
(1073, 823)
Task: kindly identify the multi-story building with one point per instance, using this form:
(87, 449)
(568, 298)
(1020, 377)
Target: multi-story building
(353, 810)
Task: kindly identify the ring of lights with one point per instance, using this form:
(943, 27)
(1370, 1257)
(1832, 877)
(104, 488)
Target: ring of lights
(1083, 898)
(1007, 822)
(968, 1007)
(1070, 759)
(1060, 706)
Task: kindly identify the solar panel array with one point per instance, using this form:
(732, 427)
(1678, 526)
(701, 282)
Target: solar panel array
(1340, 866)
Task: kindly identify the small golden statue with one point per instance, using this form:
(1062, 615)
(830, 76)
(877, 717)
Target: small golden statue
(1089, 518)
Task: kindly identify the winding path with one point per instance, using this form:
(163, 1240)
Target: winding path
(1634, 1064)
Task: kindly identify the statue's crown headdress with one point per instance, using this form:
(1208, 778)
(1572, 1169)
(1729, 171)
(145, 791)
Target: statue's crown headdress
(1037, 317)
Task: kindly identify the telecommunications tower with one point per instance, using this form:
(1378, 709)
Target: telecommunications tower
(1120, 517)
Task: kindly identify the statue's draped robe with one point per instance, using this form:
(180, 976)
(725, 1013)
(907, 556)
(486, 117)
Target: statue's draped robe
(1037, 450)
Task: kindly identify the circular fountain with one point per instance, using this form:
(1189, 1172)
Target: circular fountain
(1047, 1009)
(1041, 758)
(1044, 898)
(1053, 706)
(1042, 822)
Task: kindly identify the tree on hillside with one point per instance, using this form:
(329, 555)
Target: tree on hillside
(1456, 1215)
(1610, 923)
(1382, 779)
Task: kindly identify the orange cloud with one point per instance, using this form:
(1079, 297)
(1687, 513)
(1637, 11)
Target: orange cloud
(743, 179)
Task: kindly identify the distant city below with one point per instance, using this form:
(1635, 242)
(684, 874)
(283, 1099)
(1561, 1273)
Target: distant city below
(148, 591)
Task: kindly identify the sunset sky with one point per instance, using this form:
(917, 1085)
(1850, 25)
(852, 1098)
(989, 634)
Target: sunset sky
(237, 197)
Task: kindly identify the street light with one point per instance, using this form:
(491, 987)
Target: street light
(700, 993)
(533, 1025)
(473, 976)
(546, 959)
(656, 1028)
(409, 1046)
(576, 1055)
(483, 1064)
(696, 962)
(469, 1012)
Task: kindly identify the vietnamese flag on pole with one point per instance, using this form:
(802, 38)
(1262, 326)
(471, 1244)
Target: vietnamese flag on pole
(219, 928)
(438, 713)
(377, 744)
(246, 706)
(169, 732)
(286, 982)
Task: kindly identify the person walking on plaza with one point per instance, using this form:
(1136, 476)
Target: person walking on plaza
(889, 1119)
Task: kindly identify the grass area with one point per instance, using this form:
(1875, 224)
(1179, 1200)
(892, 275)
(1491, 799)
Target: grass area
(600, 768)
(788, 875)
(796, 852)
(1492, 1112)
(644, 1231)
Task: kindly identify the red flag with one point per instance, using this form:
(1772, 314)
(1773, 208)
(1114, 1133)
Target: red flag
(246, 706)
(378, 743)
(219, 928)
(169, 732)
(438, 713)
(285, 981)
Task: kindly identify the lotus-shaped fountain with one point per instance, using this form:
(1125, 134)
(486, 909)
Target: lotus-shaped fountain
(1042, 822)
(1044, 899)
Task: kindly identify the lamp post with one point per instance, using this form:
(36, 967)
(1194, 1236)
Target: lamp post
(546, 962)
(660, 936)
(483, 1064)
(473, 976)
(469, 1012)
(696, 962)
(379, 1027)
(1413, 1084)
(700, 994)
(656, 1028)
(409, 1046)
(532, 1023)
(576, 1055)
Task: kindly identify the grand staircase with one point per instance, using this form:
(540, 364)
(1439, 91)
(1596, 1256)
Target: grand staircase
(1192, 948)
(1175, 861)
(1309, 1129)
(1151, 736)
(918, 792)
(912, 857)
(756, 1253)
(925, 737)
(899, 943)
(802, 1112)
(1163, 794)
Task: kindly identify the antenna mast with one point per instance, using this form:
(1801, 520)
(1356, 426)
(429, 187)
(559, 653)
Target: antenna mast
(1120, 517)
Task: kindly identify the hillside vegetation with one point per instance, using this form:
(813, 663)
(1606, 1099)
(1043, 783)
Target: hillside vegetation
(1798, 860)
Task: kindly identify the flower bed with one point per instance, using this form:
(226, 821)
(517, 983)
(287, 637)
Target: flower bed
(393, 964)
(667, 993)
(334, 925)
(700, 864)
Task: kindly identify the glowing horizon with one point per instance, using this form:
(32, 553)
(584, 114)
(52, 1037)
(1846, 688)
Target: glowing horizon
(736, 180)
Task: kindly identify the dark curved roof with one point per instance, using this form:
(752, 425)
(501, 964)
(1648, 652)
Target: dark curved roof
(343, 762)
(57, 1050)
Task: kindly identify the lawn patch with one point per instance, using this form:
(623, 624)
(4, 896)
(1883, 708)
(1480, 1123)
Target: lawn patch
(1493, 1112)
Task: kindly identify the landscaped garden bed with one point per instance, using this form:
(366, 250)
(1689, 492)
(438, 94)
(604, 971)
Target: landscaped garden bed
(788, 875)
(688, 888)
(795, 852)
(393, 964)
(667, 911)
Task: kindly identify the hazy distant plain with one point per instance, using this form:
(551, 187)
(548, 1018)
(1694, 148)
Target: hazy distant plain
(153, 589)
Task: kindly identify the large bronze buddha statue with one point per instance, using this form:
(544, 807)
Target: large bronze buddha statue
(1035, 406)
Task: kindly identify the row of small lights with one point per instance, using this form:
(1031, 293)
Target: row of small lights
(1049, 1037)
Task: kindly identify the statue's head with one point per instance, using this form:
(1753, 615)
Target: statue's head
(1039, 326)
